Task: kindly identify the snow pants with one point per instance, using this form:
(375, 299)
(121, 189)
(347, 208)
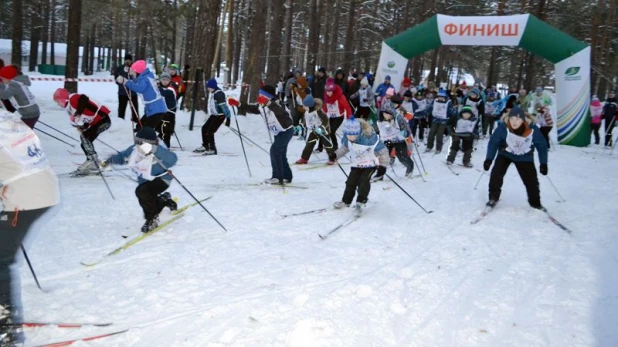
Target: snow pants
(467, 143)
(311, 141)
(594, 128)
(148, 196)
(209, 129)
(488, 123)
(123, 101)
(359, 178)
(436, 132)
(401, 151)
(93, 132)
(420, 124)
(168, 123)
(278, 155)
(526, 171)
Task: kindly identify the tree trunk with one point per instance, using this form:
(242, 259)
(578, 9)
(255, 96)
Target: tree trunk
(93, 32)
(216, 63)
(274, 43)
(18, 32)
(254, 66)
(348, 54)
(314, 36)
(286, 58)
(432, 67)
(191, 20)
(35, 35)
(45, 33)
(239, 35)
(74, 28)
(86, 53)
(229, 46)
(333, 37)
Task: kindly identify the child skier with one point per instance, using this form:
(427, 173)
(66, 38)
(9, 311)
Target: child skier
(167, 88)
(219, 112)
(441, 111)
(365, 147)
(393, 132)
(464, 129)
(489, 118)
(316, 123)
(90, 119)
(420, 111)
(151, 163)
(544, 122)
(366, 99)
(336, 107)
(14, 87)
(514, 141)
(596, 113)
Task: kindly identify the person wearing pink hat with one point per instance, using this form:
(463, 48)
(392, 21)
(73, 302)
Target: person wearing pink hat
(143, 82)
(337, 108)
(596, 113)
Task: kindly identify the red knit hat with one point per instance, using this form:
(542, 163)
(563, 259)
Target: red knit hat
(406, 82)
(9, 72)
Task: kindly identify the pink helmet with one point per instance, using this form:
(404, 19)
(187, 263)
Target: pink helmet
(139, 66)
(61, 96)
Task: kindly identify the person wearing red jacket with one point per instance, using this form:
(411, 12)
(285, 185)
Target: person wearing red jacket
(180, 86)
(337, 108)
(90, 119)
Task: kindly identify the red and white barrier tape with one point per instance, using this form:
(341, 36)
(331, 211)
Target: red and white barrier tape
(62, 79)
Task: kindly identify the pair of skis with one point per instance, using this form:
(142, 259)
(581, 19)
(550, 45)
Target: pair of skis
(325, 235)
(69, 326)
(488, 209)
(176, 215)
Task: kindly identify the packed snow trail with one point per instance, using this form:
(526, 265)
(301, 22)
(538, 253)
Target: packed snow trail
(394, 277)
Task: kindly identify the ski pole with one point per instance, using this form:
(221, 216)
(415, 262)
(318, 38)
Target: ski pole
(479, 181)
(609, 132)
(342, 170)
(267, 129)
(188, 192)
(417, 167)
(251, 141)
(179, 144)
(408, 194)
(94, 158)
(139, 121)
(23, 250)
(242, 144)
(52, 136)
(76, 140)
(418, 153)
(552, 184)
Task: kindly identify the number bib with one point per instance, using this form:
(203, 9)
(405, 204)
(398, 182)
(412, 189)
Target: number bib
(439, 110)
(312, 120)
(141, 165)
(389, 131)
(465, 126)
(363, 155)
(333, 110)
(23, 146)
(273, 123)
(27, 93)
(519, 145)
(473, 105)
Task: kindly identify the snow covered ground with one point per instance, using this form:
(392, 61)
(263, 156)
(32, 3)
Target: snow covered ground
(395, 277)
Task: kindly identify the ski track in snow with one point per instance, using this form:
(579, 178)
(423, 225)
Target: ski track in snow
(395, 277)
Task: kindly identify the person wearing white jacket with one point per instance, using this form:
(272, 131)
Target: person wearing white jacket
(28, 189)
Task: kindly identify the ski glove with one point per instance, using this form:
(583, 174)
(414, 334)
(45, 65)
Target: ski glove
(120, 80)
(319, 131)
(233, 102)
(487, 165)
(543, 169)
(263, 100)
(227, 122)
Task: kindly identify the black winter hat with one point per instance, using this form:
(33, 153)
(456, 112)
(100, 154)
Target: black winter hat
(322, 70)
(270, 90)
(408, 93)
(128, 57)
(396, 99)
(146, 135)
(517, 112)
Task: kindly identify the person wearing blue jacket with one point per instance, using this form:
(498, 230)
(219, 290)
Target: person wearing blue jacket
(464, 129)
(367, 152)
(514, 142)
(123, 97)
(151, 163)
(167, 88)
(383, 87)
(441, 111)
(144, 83)
(218, 113)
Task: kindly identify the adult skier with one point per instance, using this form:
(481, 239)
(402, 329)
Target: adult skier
(126, 96)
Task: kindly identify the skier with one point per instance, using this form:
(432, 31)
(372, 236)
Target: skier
(143, 82)
(5, 102)
(151, 163)
(464, 129)
(544, 122)
(366, 99)
(475, 101)
(341, 80)
(123, 97)
(219, 113)
(318, 84)
(90, 119)
(281, 126)
(14, 87)
(318, 127)
(365, 147)
(420, 111)
(539, 99)
(514, 142)
(167, 88)
(489, 118)
(176, 81)
(596, 112)
(610, 113)
(393, 132)
(442, 110)
(406, 86)
(337, 108)
(28, 189)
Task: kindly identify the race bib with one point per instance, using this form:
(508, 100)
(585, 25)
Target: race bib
(363, 155)
(312, 120)
(465, 126)
(390, 131)
(27, 93)
(440, 109)
(519, 145)
(141, 165)
(23, 146)
(333, 110)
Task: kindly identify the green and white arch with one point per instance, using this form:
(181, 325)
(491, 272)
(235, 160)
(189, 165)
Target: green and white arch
(570, 56)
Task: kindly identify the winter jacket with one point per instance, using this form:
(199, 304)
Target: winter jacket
(169, 94)
(217, 104)
(164, 155)
(324, 123)
(278, 118)
(596, 112)
(342, 82)
(124, 72)
(419, 108)
(85, 111)
(146, 85)
(317, 87)
(398, 123)
(27, 181)
(517, 148)
(366, 97)
(178, 85)
(464, 127)
(610, 110)
(478, 105)
(538, 101)
(382, 88)
(380, 150)
(441, 112)
(20, 96)
(337, 105)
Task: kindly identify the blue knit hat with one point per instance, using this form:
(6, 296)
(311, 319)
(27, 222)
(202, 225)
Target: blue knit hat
(309, 101)
(388, 77)
(212, 83)
(351, 127)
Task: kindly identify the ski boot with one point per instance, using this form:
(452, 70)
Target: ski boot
(409, 172)
(360, 206)
(491, 203)
(168, 201)
(340, 204)
(150, 224)
(468, 165)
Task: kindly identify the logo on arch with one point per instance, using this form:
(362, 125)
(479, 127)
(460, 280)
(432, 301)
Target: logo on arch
(390, 64)
(572, 71)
